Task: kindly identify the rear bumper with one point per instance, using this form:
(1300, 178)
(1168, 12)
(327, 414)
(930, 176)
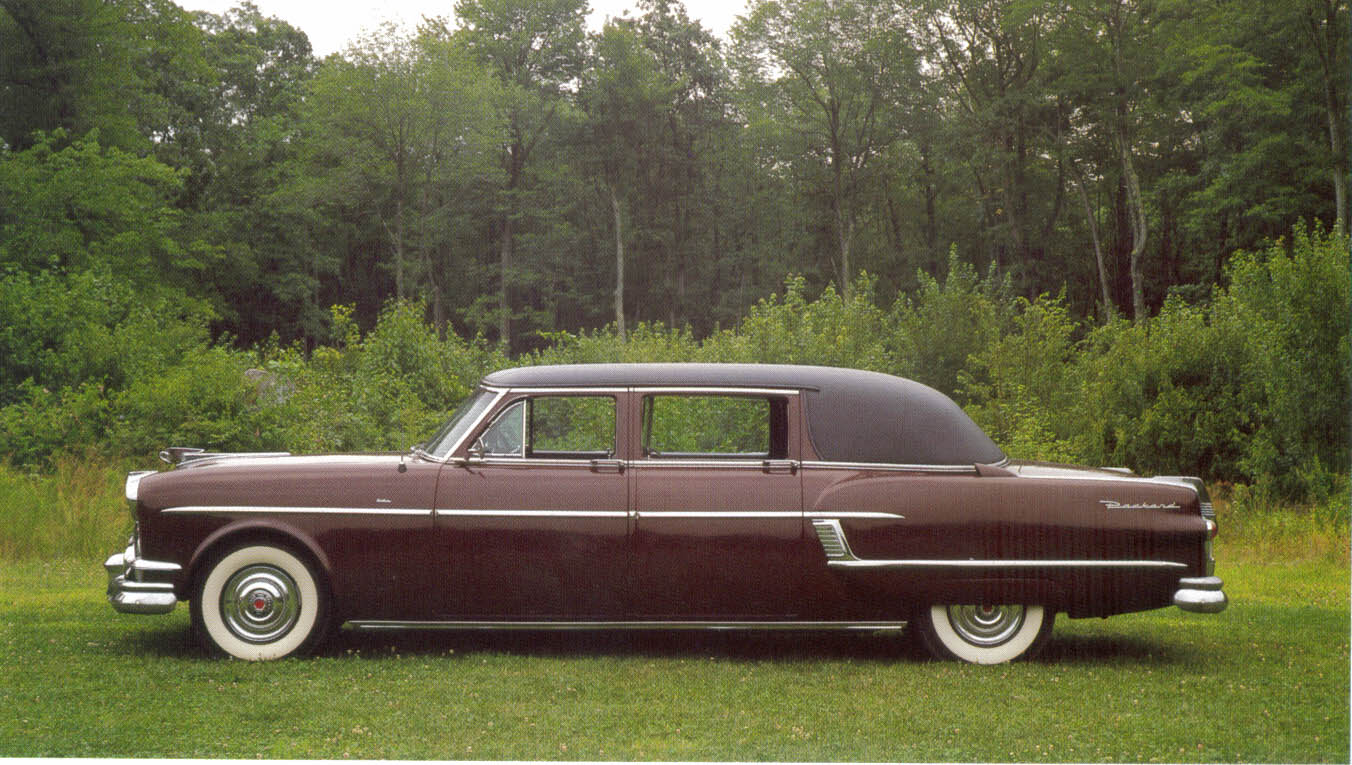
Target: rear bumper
(1201, 595)
(138, 586)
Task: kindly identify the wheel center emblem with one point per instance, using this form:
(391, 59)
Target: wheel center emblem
(260, 601)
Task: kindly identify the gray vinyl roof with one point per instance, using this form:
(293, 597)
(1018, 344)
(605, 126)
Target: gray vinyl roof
(853, 415)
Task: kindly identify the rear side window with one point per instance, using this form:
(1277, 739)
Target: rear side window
(682, 426)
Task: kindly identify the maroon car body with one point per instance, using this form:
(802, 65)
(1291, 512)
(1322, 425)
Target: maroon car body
(667, 496)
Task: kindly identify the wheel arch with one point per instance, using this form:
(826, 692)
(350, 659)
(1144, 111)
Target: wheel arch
(241, 533)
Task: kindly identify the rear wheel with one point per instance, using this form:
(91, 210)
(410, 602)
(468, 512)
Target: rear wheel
(259, 602)
(985, 634)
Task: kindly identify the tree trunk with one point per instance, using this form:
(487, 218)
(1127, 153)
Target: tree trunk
(1324, 35)
(619, 263)
(1109, 308)
(504, 269)
(399, 247)
(1139, 232)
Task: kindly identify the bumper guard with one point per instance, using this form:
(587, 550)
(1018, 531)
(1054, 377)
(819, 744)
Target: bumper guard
(1201, 595)
(138, 586)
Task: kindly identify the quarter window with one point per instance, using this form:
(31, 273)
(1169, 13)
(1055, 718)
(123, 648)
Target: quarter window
(553, 427)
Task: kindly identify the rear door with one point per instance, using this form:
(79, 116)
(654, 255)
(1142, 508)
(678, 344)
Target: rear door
(718, 531)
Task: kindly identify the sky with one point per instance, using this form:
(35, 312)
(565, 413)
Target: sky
(331, 24)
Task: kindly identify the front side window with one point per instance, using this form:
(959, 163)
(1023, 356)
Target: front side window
(464, 418)
(679, 426)
(553, 427)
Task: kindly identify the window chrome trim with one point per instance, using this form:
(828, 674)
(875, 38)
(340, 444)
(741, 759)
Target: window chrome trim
(558, 391)
(695, 390)
(498, 393)
(501, 461)
(700, 462)
(294, 510)
(889, 467)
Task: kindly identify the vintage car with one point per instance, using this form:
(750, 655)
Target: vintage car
(666, 496)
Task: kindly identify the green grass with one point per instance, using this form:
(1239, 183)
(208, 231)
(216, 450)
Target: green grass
(1265, 681)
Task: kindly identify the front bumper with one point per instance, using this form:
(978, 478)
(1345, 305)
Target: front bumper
(1201, 595)
(138, 586)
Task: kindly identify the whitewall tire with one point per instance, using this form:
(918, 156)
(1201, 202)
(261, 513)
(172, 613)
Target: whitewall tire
(259, 602)
(985, 634)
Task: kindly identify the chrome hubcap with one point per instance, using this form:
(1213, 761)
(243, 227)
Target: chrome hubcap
(986, 625)
(260, 603)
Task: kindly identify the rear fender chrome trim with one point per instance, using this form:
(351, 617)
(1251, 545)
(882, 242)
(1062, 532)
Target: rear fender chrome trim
(1018, 564)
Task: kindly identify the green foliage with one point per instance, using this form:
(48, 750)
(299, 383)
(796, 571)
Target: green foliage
(829, 331)
(387, 390)
(205, 400)
(933, 333)
(1021, 386)
(74, 204)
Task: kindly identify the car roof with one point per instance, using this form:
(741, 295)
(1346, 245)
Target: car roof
(853, 415)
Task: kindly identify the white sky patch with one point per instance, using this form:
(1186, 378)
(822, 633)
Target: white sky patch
(332, 24)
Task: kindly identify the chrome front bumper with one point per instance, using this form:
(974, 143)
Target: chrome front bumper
(138, 586)
(1201, 595)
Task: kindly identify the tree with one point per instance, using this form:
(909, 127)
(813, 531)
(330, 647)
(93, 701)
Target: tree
(400, 129)
(835, 76)
(535, 50)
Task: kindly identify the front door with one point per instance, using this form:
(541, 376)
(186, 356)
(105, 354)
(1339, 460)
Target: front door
(718, 507)
(534, 526)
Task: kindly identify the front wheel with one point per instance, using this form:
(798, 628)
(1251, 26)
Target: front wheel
(985, 634)
(259, 602)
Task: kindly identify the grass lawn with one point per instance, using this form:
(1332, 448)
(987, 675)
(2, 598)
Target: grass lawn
(1265, 681)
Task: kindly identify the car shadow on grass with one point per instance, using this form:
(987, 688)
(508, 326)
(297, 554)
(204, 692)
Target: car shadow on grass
(739, 645)
(1114, 649)
(177, 642)
(789, 646)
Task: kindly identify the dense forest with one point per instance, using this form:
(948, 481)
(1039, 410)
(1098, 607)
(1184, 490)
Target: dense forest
(1113, 229)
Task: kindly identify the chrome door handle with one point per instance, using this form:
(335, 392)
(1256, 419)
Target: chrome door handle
(607, 466)
(780, 466)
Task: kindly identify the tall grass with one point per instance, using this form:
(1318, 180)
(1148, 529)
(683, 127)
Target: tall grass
(76, 510)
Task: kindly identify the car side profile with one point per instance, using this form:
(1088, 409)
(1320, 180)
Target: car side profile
(666, 496)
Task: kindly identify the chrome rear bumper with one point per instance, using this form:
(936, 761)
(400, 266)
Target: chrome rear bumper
(137, 586)
(1201, 595)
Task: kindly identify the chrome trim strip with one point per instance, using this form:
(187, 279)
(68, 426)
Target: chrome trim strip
(720, 514)
(865, 514)
(535, 462)
(207, 509)
(943, 563)
(695, 390)
(580, 390)
(459, 512)
(890, 467)
(383, 624)
(741, 463)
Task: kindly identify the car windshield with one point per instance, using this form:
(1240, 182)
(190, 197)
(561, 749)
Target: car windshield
(444, 441)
